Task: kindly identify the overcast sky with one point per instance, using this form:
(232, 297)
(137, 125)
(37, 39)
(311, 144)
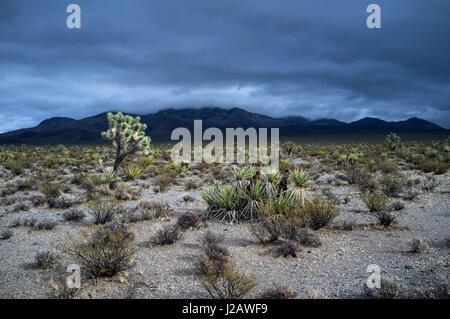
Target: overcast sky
(313, 58)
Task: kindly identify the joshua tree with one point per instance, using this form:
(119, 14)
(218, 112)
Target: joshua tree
(127, 136)
(393, 140)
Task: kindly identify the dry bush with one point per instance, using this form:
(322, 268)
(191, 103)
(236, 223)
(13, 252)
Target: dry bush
(188, 220)
(45, 224)
(46, 260)
(391, 186)
(375, 202)
(308, 239)
(319, 213)
(104, 210)
(229, 284)
(6, 234)
(167, 235)
(73, 215)
(164, 181)
(102, 252)
(287, 248)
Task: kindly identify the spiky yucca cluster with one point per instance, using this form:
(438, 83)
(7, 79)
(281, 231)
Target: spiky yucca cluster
(126, 132)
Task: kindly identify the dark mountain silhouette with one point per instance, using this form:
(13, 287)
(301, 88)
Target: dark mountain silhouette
(161, 124)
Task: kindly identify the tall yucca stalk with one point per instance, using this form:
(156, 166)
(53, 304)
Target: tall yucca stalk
(301, 180)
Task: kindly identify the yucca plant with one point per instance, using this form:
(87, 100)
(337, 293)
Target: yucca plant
(243, 176)
(133, 172)
(301, 180)
(271, 183)
(225, 203)
(255, 195)
(109, 177)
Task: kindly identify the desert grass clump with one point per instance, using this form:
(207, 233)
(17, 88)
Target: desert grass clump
(45, 224)
(73, 215)
(164, 181)
(386, 218)
(375, 202)
(103, 252)
(391, 186)
(51, 191)
(190, 184)
(46, 260)
(6, 234)
(389, 288)
(168, 235)
(103, 210)
(319, 212)
(278, 292)
(159, 210)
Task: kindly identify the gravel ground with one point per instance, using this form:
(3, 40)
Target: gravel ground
(337, 269)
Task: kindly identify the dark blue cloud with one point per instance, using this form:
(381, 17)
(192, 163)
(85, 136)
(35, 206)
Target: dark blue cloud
(310, 58)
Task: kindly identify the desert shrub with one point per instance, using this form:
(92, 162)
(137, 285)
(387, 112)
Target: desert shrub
(391, 186)
(375, 202)
(102, 252)
(430, 166)
(6, 234)
(188, 220)
(287, 248)
(278, 293)
(289, 147)
(215, 260)
(164, 181)
(367, 185)
(190, 184)
(209, 238)
(229, 284)
(278, 218)
(320, 213)
(14, 166)
(73, 215)
(418, 246)
(51, 192)
(45, 224)
(387, 167)
(46, 260)
(146, 160)
(390, 289)
(158, 210)
(385, 218)
(308, 239)
(167, 235)
(103, 210)
(355, 175)
(38, 200)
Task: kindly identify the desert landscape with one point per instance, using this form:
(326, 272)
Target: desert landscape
(160, 229)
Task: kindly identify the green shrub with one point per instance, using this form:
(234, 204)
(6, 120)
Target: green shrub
(319, 212)
(375, 202)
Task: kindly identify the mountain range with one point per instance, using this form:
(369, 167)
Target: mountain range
(160, 126)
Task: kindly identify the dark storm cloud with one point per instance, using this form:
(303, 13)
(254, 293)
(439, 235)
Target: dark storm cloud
(311, 58)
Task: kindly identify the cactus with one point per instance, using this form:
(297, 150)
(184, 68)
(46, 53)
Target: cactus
(393, 141)
(127, 136)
